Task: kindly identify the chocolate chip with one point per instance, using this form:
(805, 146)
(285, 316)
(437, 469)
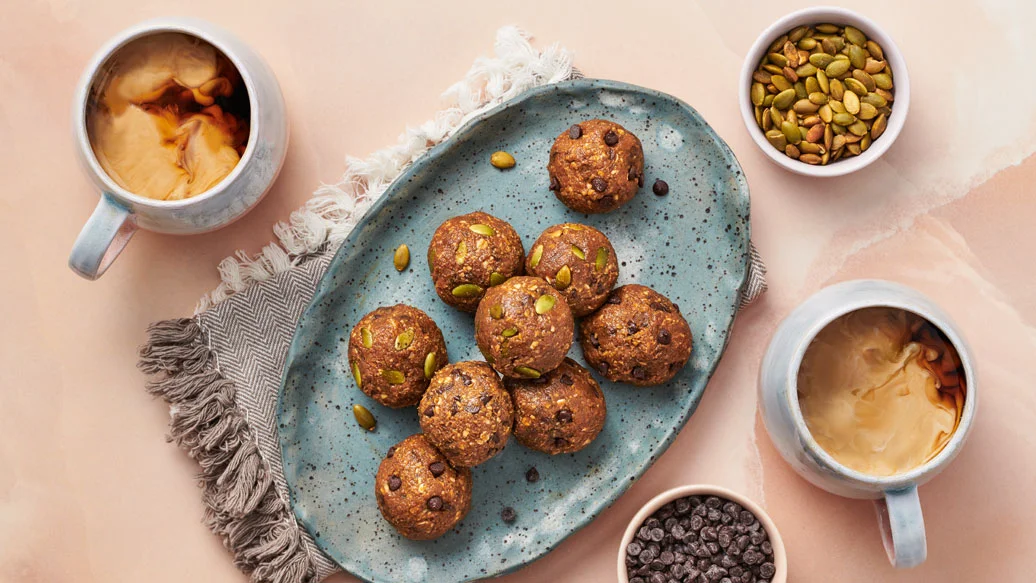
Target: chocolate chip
(599, 184)
(594, 342)
(465, 379)
(564, 416)
(391, 451)
(486, 399)
(532, 475)
(429, 412)
(664, 338)
(660, 307)
(747, 518)
(603, 367)
(639, 373)
(657, 578)
(614, 299)
(752, 557)
(640, 180)
(713, 502)
(394, 483)
(660, 187)
(767, 570)
(560, 442)
(632, 174)
(766, 547)
(437, 468)
(554, 184)
(657, 534)
(667, 558)
(508, 514)
(473, 408)
(683, 506)
(634, 548)
(495, 438)
(434, 503)
(539, 381)
(566, 380)
(611, 138)
(631, 328)
(575, 132)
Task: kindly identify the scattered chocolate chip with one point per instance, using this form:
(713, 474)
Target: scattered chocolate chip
(495, 437)
(603, 367)
(465, 379)
(391, 451)
(664, 338)
(554, 184)
(560, 442)
(611, 138)
(566, 380)
(532, 475)
(473, 408)
(394, 483)
(486, 399)
(599, 184)
(437, 468)
(631, 328)
(508, 514)
(434, 503)
(564, 416)
(639, 372)
(614, 299)
(660, 307)
(640, 180)
(660, 187)
(593, 341)
(631, 174)
(542, 380)
(429, 412)
(575, 132)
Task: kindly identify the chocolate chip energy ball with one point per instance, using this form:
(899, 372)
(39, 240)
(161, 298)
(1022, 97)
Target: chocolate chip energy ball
(466, 413)
(470, 253)
(393, 353)
(524, 327)
(419, 492)
(638, 336)
(596, 166)
(560, 412)
(578, 261)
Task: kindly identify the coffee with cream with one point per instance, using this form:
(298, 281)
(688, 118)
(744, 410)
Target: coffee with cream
(169, 119)
(881, 390)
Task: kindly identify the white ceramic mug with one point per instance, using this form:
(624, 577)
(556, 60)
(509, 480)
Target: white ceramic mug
(120, 212)
(897, 502)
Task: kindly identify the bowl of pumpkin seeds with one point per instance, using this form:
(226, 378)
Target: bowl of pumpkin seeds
(824, 91)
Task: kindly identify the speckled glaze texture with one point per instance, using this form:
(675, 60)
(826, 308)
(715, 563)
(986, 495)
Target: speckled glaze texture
(691, 245)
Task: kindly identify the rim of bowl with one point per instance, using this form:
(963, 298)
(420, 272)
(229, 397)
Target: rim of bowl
(952, 447)
(815, 15)
(201, 31)
(780, 557)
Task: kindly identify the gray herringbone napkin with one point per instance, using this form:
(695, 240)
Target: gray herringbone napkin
(220, 371)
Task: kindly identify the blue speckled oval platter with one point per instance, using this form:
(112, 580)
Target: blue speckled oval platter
(691, 245)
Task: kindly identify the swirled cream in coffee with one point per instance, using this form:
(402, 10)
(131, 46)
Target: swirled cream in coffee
(881, 390)
(170, 118)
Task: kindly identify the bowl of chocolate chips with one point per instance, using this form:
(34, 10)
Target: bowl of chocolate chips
(702, 534)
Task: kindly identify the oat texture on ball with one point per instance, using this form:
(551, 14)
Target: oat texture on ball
(596, 166)
(638, 336)
(419, 492)
(524, 327)
(471, 253)
(563, 411)
(466, 413)
(579, 261)
(393, 353)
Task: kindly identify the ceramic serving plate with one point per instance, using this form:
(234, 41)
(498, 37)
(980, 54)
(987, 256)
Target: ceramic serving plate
(691, 245)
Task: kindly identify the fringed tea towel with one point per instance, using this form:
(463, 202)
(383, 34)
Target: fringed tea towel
(220, 371)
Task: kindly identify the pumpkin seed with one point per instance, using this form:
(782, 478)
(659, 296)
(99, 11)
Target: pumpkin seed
(810, 159)
(767, 120)
(818, 98)
(761, 77)
(875, 50)
(601, 260)
(563, 279)
(791, 132)
(461, 253)
(777, 44)
(527, 372)
(758, 93)
(775, 116)
(843, 119)
(827, 28)
(875, 100)
(822, 81)
(797, 34)
(364, 417)
(773, 69)
(838, 142)
(807, 44)
(856, 56)
(792, 53)
(509, 332)
(431, 257)
(401, 258)
(810, 121)
(879, 126)
(867, 111)
(778, 59)
(858, 128)
(405, 339)
(544, 304)
(483, 230)
(780, 83)
(872, 67)
(854, 149)
(784, 99)
(777, 139)
(393, 377)
(855, 36)
(886, 95)
(837, 89)
(578, 252)
(865, 142)
(804, 106)
(829, 46)
(812, 86)
(467, 290)
(496, 278)
(502, 160)
(865, 79)
(825, 113)
(883, 81)
(837, 106)
(815, 134)
(828, 138)
(534, 259)
(821, 60)
(768, 100)
(805, 70)
(791, 151)
(855, 86)
(366, 337)
(356, 375)
(429, 365)
(837, 68)
(851, 102)
(496, 311)
(800, 90)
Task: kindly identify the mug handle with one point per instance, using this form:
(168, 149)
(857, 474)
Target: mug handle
(902, 527)
(103, 237)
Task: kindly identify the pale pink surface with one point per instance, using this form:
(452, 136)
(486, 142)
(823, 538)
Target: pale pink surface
(89, 490)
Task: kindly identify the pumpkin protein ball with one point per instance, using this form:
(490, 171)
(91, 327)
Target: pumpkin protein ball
(638, 336)
(469, 254)
(466, 413)
(393, 353)
(419, 492)
(560, 412)
(579, 261)
(524, 327)
(596, 166)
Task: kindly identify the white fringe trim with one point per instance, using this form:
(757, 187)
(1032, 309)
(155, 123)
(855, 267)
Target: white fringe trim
(334, 210)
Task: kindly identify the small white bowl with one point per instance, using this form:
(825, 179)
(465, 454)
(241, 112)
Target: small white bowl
(840, 16)
(780, 557)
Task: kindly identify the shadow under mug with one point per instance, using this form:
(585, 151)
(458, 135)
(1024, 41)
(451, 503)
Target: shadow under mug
(896, 500)
(120, 213)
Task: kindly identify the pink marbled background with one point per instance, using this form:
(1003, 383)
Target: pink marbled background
(89, 490)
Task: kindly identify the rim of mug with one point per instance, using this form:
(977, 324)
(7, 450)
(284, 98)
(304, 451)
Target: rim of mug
(952, 447)
(96, 67)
